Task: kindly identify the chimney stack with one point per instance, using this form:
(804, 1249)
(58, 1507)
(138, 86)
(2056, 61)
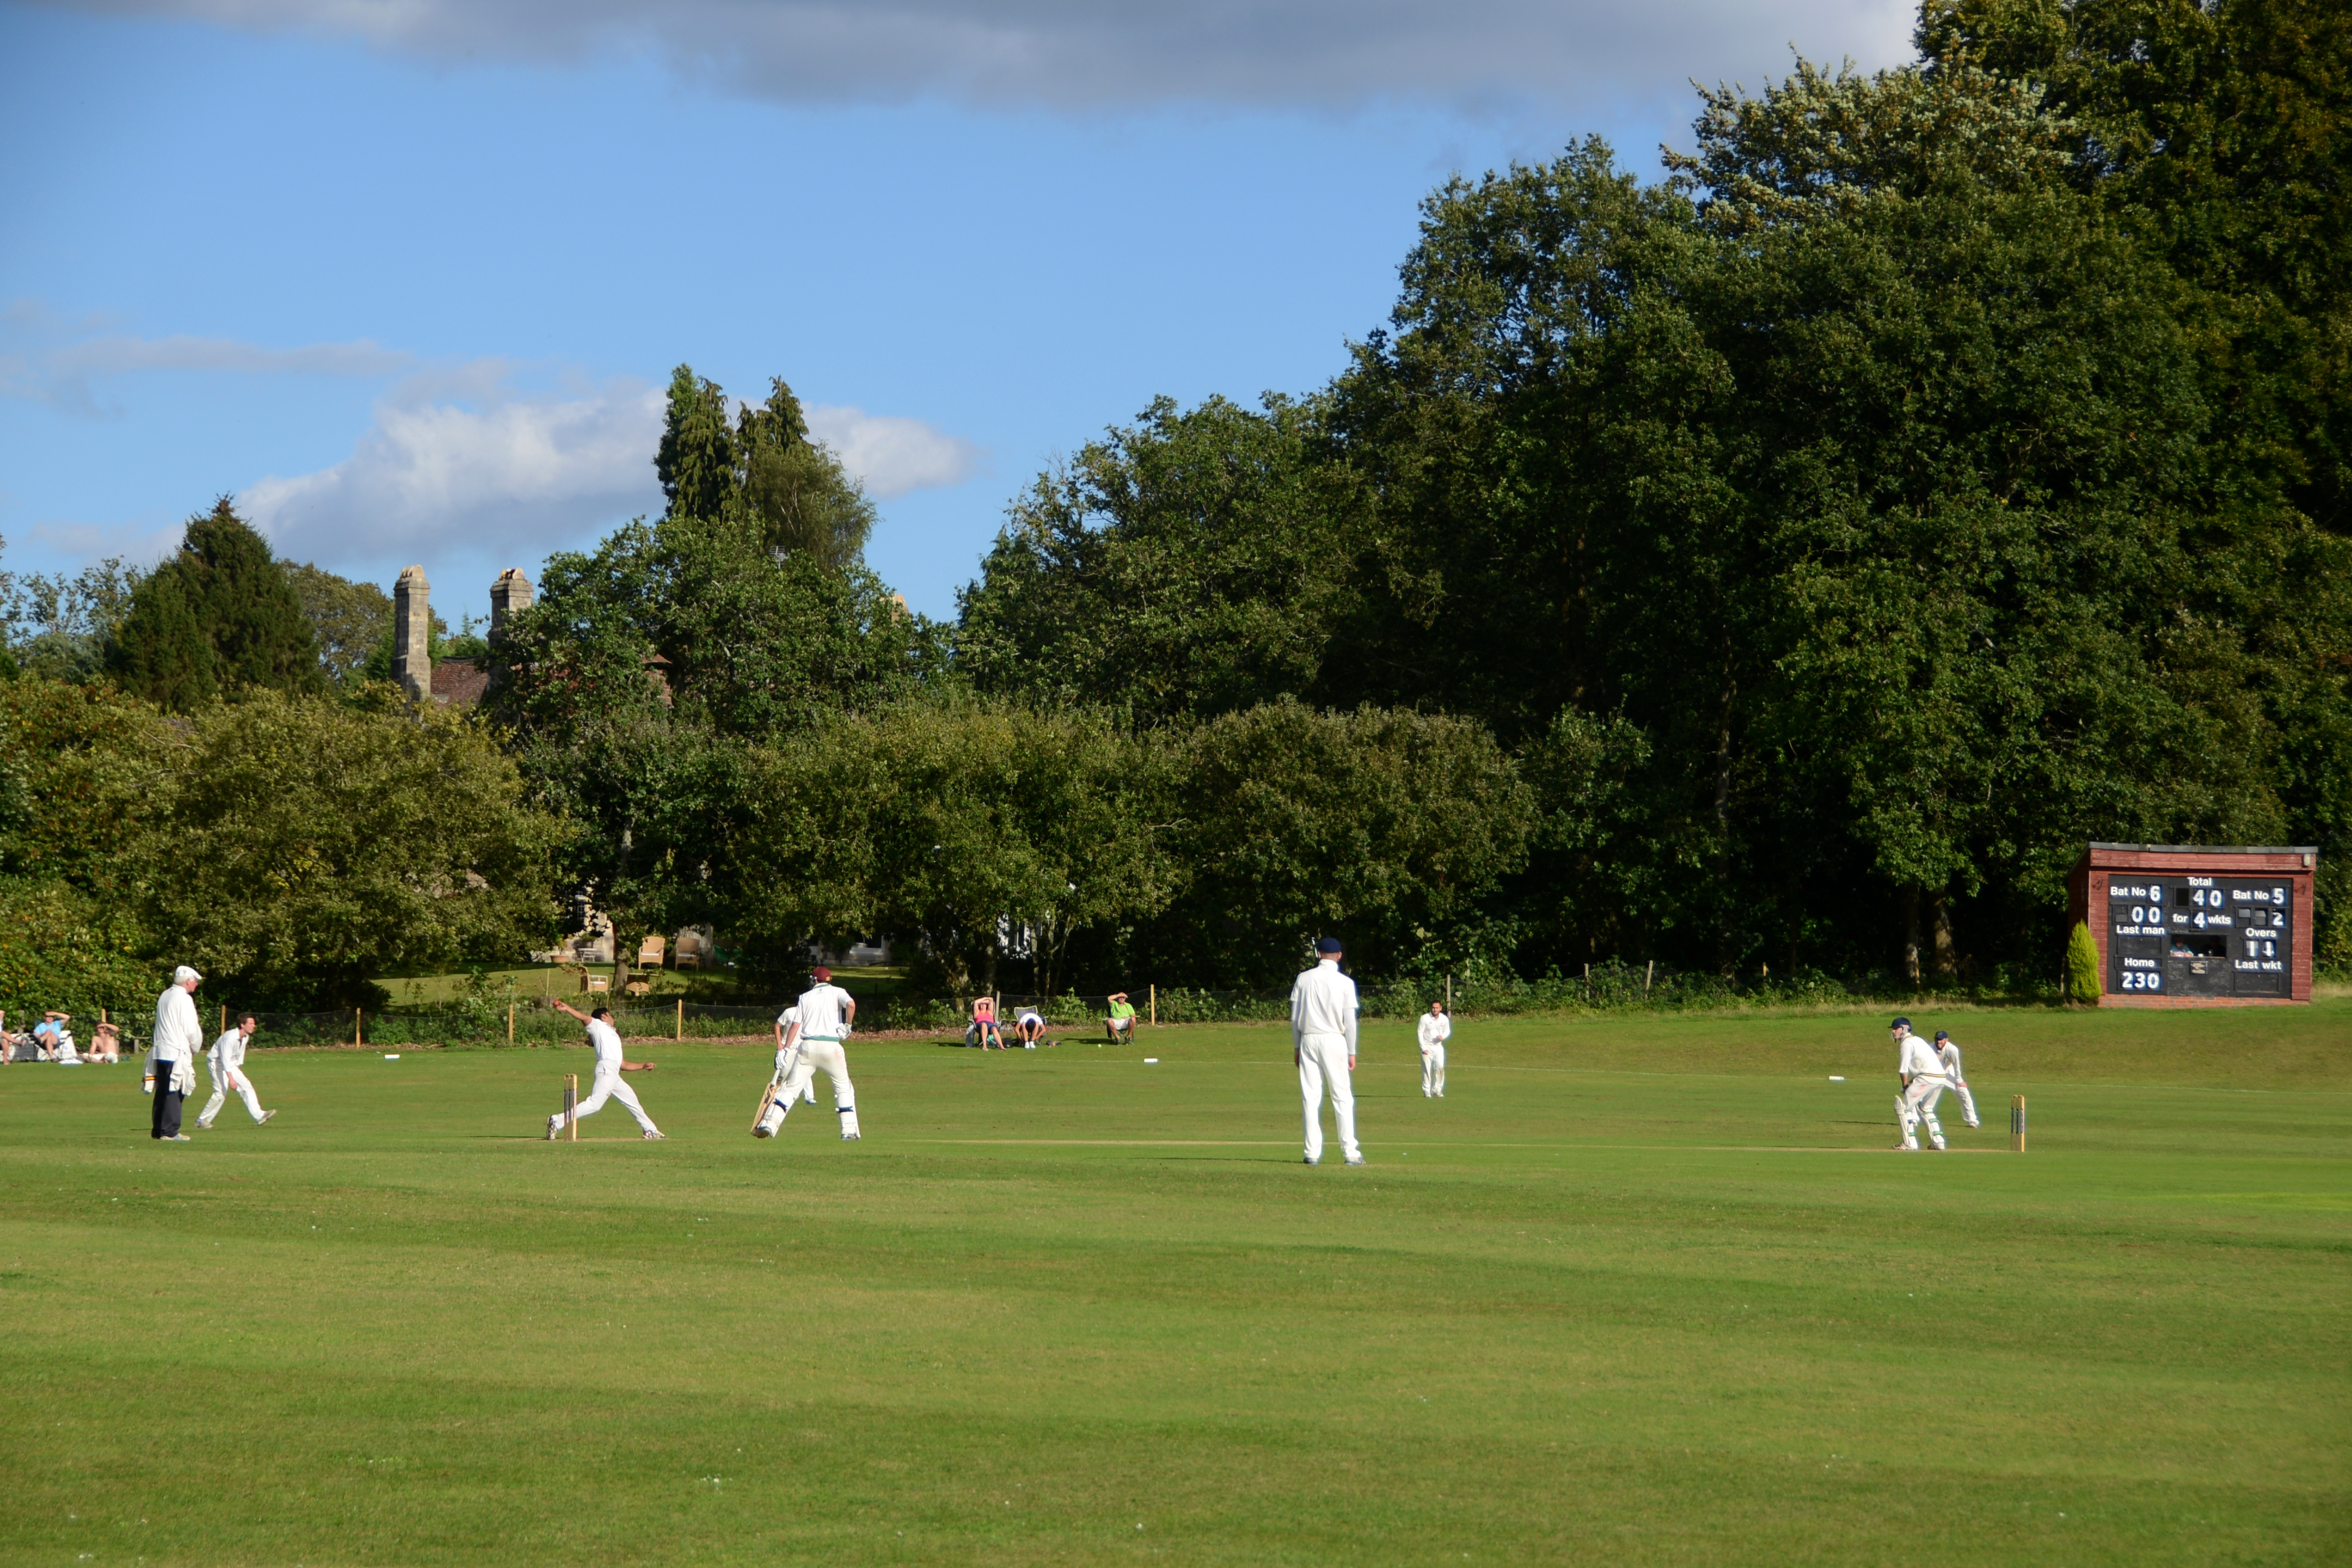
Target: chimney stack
(510, 595)
(412, 623)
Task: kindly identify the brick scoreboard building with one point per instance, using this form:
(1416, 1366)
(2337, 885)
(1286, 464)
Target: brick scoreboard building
(2191, 925)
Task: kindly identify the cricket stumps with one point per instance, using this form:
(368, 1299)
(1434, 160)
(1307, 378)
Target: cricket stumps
(2017, 1123)
(571, 1109)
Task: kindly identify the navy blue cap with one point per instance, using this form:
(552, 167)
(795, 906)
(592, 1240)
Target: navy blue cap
(1900, 1024)
(1328, 946)
(1943, 1034)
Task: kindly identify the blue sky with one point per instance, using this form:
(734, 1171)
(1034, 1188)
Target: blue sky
(407, 277)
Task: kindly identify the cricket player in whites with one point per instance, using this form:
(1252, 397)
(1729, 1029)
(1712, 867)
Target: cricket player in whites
(809, 1037)
(1436, 1029)
(1323, 1044)
(227, 1061)
(1923, 1082)
(605, 1040)
(1948, 1053)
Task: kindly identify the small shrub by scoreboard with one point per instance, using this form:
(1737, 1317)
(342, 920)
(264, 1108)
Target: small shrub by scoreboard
(2180, 925)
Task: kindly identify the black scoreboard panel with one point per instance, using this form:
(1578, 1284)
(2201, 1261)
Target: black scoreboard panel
(2171, 935)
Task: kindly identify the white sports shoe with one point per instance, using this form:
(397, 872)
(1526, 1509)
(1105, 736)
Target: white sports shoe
(554, 1128)
(1357, 1159)
(851, 1138)
(762, 1130)
(657, 1132)
(266, 1116)
(203, 1126)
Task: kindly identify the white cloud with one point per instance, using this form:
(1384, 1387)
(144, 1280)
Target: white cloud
(516, 475)
(520, 474)
(891, 454)
(65, 375)
(1119, 53)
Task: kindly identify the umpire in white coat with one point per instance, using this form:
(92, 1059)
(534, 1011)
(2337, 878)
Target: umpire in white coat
(179, 1038)
(1323, 1044)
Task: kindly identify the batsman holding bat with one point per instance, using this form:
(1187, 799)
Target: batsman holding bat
(809, 1037)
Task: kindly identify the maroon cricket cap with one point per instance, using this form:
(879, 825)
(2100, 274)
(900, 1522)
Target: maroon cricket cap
(821, 975)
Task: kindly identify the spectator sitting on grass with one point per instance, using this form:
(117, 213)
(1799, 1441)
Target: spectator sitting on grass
(106, 1046)
(1030, 1026)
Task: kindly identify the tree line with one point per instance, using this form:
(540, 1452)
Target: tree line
(1783, 566)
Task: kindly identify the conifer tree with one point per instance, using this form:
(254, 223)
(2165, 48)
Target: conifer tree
(218, 616)
(695, 459)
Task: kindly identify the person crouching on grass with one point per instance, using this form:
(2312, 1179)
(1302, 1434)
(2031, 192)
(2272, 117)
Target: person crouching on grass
(227, 1060)
(1922, 1076)
(605, 1041)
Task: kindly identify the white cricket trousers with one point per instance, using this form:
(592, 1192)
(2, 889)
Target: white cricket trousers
(1968, 1103)
(1324, 1058)
(816, 1054)
(1432, 1070)
(221, 1088)
(1916, 1104)
(608, 1086)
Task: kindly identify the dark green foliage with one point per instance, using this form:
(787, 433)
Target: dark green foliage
(795, 492)
(349, 621)
(59, 627)
(1194, 563)
(302, 845)
(642, 673)
(1842, 531)
(695, 459)
(161, 650)
(219, 617)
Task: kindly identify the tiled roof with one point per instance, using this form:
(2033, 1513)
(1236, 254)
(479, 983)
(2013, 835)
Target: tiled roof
(459, 682)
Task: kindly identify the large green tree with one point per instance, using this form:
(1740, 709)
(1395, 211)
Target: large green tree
(348, 620)
(219, 617)
(303, 845)
(1197, 562)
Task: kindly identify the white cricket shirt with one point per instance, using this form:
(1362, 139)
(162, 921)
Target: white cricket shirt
(1436, 1028)
(821, 1010)
(1950, 1057)
(178, 1035)
(1323, 1002)
(605, 1041)
(1919, 1059)
(228, 1051)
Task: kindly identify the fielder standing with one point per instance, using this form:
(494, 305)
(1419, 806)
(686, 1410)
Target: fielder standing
(1436, 1029)
(1923, 1082)
(1323, 1044)
(227, 1062)
(811, 1039)
(1949, 1054)
(178, 1037)
(605, 1040)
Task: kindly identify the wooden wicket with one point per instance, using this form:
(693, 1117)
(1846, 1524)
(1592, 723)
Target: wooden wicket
(2017, 1123)
(571, 1109)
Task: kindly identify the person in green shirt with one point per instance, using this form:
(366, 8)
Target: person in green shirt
(1120, 1025)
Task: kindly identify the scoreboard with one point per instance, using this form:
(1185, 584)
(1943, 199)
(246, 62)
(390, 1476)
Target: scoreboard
(2180, 924)
(2200, 936)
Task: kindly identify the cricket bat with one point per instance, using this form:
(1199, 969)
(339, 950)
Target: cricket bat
(766, 1100)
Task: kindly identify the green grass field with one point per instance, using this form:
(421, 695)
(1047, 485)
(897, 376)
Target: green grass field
(1639, 1290)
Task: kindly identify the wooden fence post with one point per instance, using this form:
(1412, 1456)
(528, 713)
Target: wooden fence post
(510, 1006)
(355, 1028)
(1153, 991)
(681, 1019)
